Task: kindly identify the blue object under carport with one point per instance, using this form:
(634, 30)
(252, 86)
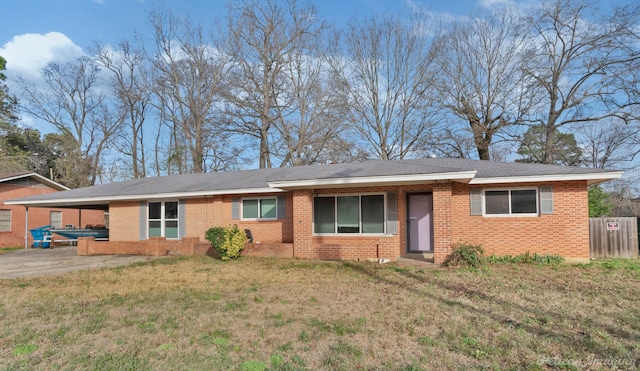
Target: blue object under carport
(42, 236)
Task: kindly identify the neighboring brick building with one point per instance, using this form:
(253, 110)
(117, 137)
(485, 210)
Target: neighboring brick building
(367, 210)
(13, 217)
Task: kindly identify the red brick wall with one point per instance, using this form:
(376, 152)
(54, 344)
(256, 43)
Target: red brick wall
(202, 214)
(264, 231)
(124, 221)
(347, 247)
(565, 232)
(159, 246)
(37, 216)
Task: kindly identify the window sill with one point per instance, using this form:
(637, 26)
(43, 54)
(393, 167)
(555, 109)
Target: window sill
(351, 235)
(510, 215)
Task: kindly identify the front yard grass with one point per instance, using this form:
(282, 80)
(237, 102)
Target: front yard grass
(253, 314)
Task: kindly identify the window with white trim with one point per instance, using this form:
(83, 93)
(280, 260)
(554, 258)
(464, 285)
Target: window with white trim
(349, 214)
(5, 220)
(517, 201)
(55, 219)
(259, 208)
(163, 219)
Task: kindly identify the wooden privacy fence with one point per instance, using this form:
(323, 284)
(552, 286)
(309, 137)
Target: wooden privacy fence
(613, 237)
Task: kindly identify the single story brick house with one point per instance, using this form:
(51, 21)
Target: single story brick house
(365, 210)
(14, 220)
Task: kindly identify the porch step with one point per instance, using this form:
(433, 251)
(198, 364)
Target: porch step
(416, 258)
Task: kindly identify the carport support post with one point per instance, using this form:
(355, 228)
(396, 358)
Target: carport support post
(26, 227)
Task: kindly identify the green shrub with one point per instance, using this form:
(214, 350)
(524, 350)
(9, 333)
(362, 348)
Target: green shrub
(228, 241)
(465, 255)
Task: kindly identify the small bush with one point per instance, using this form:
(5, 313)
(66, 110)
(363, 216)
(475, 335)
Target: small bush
(526, 258)
(465, 255)
(228, 241)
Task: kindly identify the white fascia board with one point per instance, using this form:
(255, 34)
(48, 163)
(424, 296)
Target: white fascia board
(158, 196)
(41, 179)
(591, 178)
(464, 176)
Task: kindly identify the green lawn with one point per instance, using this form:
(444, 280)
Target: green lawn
(253, 314)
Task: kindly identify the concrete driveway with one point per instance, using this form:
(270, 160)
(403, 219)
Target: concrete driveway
(39, 262)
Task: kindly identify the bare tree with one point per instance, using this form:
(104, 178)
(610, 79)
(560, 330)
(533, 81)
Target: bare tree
(608, 144)
(188, 80)
(308, 128)
(580, 61)
(263, 38)
(383, 76)
(71, 100)
(133, 99)
(453, 143)
(481, 81)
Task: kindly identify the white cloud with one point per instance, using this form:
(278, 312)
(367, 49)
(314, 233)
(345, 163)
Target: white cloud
(26, 54)
(490, 3)
(523, 6)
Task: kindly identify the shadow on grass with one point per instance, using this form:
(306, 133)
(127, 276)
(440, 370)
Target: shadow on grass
(580, 339)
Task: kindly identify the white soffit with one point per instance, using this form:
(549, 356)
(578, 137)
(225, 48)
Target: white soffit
(462, 176)
(591, 178)
(160, 196)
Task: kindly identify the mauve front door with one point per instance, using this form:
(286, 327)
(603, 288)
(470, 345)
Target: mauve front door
(420, 222)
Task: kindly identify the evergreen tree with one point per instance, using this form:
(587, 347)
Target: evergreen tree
(532, 147)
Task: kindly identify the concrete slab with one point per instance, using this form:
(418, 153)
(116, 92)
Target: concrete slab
(40, 262)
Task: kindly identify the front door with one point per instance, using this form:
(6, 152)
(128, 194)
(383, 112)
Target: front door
(420, 222)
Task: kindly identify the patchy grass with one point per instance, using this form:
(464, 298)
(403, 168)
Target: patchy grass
(256, 314)
(4, 250)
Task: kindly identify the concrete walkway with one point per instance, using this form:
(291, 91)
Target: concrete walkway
(40, 262)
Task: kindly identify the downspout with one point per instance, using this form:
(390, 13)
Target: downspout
(26, 227)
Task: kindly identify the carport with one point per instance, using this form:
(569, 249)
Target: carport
(83, 204)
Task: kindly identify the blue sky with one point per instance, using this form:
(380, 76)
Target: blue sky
(34, 32)
(86, 20)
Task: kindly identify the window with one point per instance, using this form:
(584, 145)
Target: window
(511, 202)
(55, 219)
(163, 219)
(5, 220)
(349, 214)
(259, 208)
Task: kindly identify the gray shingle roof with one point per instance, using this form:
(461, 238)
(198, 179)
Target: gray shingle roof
(258, 180)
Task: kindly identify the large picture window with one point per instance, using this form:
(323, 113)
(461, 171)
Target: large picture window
(349, 214)
(259, 208)
(511, 202)
(163, 219)
(5, 220)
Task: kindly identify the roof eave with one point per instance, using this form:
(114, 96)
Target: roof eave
(591, 178)
(462, 176)
(40, 178)
(70, 202)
